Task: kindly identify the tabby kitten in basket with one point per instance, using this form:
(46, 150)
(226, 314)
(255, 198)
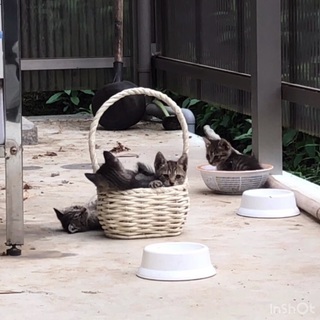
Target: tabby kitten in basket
(221, 154)
(113, 176)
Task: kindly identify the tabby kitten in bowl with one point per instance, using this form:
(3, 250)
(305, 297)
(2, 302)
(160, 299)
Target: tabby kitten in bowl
(220, 153)
(113, 176)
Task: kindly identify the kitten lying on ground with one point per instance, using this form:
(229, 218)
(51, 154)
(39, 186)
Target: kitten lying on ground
(79, 218)
(113, 176)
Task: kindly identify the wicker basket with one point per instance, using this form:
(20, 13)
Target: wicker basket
(143, 212)
(234, 182)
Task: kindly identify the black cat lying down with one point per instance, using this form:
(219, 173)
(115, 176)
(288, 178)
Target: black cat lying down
(113, 176)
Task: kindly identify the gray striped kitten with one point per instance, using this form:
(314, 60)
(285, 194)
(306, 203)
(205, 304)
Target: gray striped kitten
(79, 218)
(113, 176)
(220, 153)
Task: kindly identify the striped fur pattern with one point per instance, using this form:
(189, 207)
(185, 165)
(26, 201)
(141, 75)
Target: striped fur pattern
(79, 218)
(171, 173)
(112, 175)
(220, 153)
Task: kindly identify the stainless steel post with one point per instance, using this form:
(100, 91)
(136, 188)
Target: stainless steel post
(13, 124)
(266, 82)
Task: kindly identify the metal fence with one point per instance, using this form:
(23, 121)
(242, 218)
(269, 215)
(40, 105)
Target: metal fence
(74, 36)
(218, 34)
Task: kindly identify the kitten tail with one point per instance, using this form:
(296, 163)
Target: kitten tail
(210, 133)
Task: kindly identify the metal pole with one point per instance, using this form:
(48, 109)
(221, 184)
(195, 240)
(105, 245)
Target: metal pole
(13, 128)
(266, 82)
(144, 42)
(118, 41)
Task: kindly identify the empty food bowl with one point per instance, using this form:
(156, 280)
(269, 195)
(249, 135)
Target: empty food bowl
(174, 261)
(268, 203)
(233, 182)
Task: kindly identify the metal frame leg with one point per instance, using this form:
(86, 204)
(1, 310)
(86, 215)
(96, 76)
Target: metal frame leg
(13, 125)
(266, 82)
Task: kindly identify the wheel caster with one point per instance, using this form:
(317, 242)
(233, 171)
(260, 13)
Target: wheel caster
(14, 251)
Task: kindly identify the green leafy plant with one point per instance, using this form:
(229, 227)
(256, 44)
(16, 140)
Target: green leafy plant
(301, 152)
(71, 100)
(162, 107)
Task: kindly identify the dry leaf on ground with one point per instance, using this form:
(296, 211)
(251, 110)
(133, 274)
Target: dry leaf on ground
(119, 148)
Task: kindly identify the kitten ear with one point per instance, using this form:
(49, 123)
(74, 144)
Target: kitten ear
(159, 161)
(58, 213)
(111, 161)
(97, 179)
(224, 144)
(183, 161)
(207, 141)
(91, 177)
(83, 215)
(108, 156)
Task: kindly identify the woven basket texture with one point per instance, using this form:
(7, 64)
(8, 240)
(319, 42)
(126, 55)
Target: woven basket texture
(142, 212)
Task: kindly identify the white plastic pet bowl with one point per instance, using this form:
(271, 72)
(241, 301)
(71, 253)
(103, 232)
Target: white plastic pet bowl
(234, 182)
(268, 203)
(173, 261)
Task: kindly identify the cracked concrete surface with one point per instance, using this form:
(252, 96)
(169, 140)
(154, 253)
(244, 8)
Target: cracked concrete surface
(266, 269)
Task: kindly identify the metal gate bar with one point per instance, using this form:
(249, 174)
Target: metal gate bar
(13, 127)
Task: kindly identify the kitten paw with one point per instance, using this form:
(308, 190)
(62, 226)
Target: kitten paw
(155, 184)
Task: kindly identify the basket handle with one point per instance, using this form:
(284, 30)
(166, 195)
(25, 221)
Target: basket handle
(129, 92)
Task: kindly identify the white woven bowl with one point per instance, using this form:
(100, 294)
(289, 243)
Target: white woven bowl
(173, 261)
(233, 182)
(268, 203)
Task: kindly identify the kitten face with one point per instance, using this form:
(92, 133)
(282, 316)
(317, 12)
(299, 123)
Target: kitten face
(217, 151)
(113, 176)
(171, 173)
(73, 219)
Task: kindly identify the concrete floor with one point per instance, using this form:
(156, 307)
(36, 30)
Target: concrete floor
(266, 269)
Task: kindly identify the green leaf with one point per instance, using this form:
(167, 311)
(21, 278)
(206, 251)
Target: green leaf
(161, 106)
(225, 121)
(74, 93)
(248, 149)
(244, 136)
(65, 108)
(311, 149)
(185, 103)
(88, 92)
(75, 100)
(85, 110)
(68, 92)
(193, 102)
(297, 160)
(205, 118)
(55, 97)
(289, 137)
